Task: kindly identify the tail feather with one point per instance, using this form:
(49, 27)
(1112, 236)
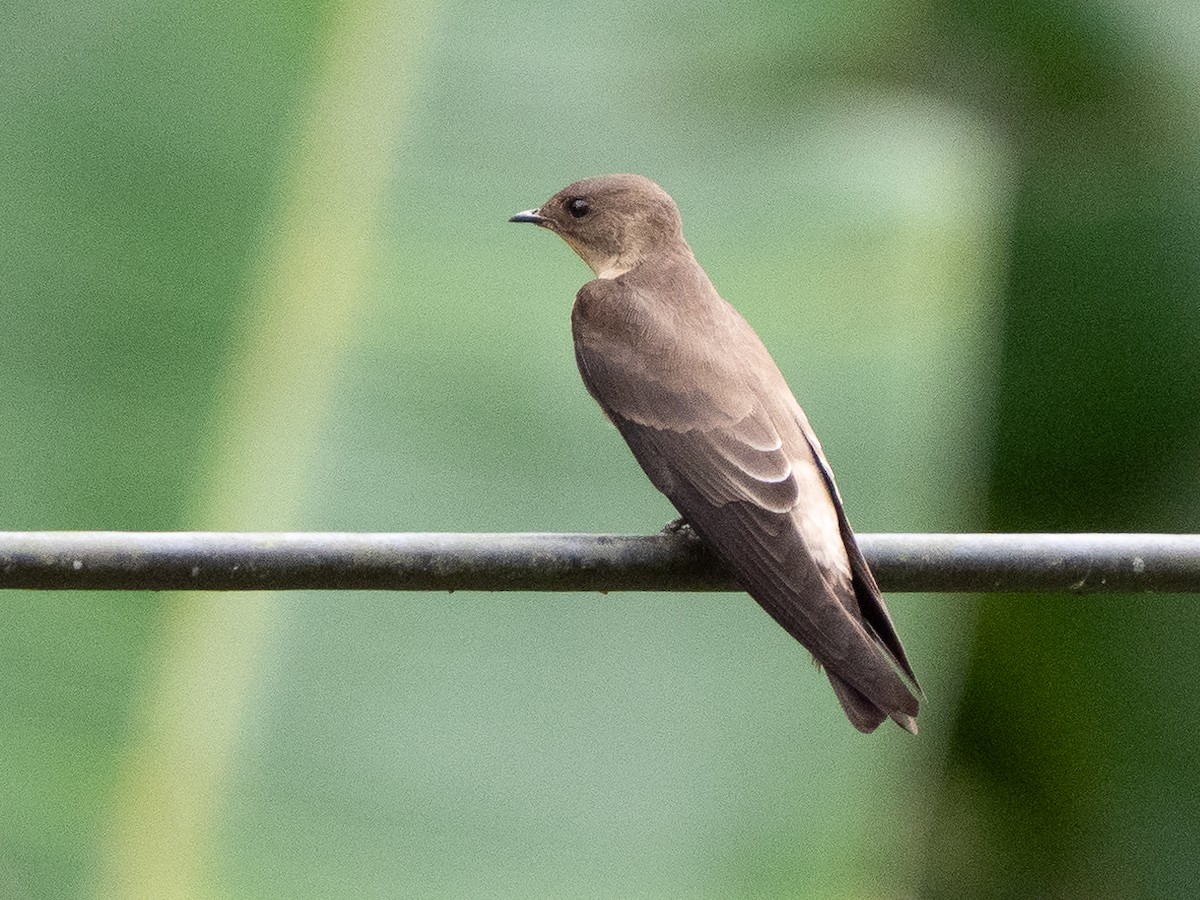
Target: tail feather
(864, 714)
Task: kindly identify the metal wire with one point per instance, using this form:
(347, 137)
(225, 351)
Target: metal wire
(230, 561)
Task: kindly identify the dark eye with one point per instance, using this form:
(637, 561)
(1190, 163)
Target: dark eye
(578, 207)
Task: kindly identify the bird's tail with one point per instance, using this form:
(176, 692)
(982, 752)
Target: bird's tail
(864, 714)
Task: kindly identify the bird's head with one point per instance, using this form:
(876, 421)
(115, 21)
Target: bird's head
(614, 222)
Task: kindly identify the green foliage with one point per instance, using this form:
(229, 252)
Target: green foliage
(255, 273)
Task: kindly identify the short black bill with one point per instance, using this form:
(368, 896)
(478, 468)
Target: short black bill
(529, 215)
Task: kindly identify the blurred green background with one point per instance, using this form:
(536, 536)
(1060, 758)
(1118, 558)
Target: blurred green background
(255, 273)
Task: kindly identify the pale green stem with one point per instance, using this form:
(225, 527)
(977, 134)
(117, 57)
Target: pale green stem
(305, 299)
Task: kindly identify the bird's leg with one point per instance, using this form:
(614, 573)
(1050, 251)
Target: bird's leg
(679, 526)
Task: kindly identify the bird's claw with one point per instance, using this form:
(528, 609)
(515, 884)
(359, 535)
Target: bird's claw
(679, 526)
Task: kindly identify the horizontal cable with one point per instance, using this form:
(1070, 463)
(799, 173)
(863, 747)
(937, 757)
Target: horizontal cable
(231, 561)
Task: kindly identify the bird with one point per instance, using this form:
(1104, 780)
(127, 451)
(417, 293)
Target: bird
(711, 420)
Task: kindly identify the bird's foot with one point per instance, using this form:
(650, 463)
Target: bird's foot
(679, 526)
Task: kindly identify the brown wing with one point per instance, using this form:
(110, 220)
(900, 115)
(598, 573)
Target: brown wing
(709, 418)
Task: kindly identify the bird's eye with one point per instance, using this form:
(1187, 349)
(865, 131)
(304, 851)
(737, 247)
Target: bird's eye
(578, 207)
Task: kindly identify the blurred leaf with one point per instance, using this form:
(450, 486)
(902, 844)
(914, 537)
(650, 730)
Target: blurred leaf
(138, 147)
(1078, 712)
(256, 273)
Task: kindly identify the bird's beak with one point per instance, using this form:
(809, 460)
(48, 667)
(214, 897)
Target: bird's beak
(530, 215)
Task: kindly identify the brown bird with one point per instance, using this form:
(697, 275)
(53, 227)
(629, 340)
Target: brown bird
(711, 420)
